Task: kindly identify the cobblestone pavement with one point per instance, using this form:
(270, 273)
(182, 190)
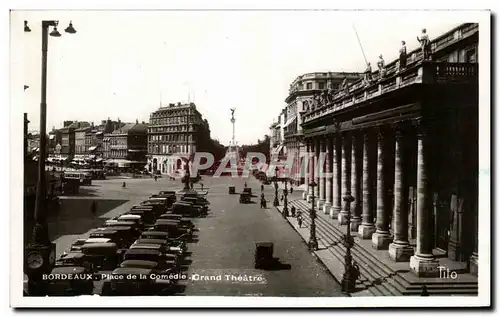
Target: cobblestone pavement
(226, 238)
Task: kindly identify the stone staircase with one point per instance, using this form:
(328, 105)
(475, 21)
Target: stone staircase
(377, 277)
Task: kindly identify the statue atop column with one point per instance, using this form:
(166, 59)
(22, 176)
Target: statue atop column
(368, 75)
(381, 67)
(402, 56)
(425, 44)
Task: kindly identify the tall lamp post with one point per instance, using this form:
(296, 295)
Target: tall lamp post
(40, 252)
(351, 271)
(187, 186)
(313, 242)
(276, 202)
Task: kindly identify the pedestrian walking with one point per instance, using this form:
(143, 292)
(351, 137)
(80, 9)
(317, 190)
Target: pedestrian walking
(299, 221)
(262, 187)
(293, 211)
(93, 208)
(245, 184)
(156, 178)
(201, 186)
(291, 190)
(262, 201)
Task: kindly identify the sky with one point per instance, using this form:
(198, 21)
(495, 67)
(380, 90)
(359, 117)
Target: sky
(123, 64)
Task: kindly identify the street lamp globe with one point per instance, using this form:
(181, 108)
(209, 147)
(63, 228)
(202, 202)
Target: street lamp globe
(313, 184)
(26, 27)
(55, 32)
(70, 29)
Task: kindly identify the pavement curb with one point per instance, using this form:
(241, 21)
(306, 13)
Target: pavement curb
(333, 265)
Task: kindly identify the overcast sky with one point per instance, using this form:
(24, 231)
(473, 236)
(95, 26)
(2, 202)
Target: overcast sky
(120, 63)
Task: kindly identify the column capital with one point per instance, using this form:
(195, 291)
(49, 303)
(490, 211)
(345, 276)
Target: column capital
(400, 129)
(422, 126)
(381, 132)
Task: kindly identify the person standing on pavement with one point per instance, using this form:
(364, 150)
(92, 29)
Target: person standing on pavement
(262, 187)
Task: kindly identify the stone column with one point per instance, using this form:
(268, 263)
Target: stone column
(346, 176)
(328, 200)
(311, 170)
(423, 263)
(381, 238)
(304, 168)
(356, 182)
(400, 249)
(367, 228)
(321, 173)
(336, 171)
(316, 167)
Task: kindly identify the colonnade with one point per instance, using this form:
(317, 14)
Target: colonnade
(357, 163)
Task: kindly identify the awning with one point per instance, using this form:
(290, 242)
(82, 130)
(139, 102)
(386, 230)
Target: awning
(92, 148)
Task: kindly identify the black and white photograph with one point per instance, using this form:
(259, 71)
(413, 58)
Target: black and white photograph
(249, 158)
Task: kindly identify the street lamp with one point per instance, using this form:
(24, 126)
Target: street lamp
(276, 202)
(285, 201)
(351, 271)
(40, 252)
(313, 242)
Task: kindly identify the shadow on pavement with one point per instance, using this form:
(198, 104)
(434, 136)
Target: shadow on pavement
(276, 265)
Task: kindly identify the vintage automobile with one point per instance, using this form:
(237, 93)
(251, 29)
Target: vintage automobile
(247, 190)
(76, 259)
(104, 256)
(175, 228)
(245, 198)
(151, 234)
(199, 205)
(119, 223)
(121, 282)
(171, 216)
(78, 244)
(133, 218)
(186, 209)
(78, 284)
(153, 253)
(148, 216)
(121, 236)
(164, 203)
(184, 222)
(156, 207)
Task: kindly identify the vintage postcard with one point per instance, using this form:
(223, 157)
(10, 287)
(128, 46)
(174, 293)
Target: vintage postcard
(250, 158)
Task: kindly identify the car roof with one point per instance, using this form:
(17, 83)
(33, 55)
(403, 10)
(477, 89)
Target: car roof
(131, 270)
(152, 241)
(143, 251)
(148, 246)
(129, 216)
(155, 233)
(72, 255)
(97, 240)
(139, 264)
(98, 245)
(68, 270)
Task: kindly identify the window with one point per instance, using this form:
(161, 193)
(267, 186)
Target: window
(470, 56)
(309, 86)
(321, 85)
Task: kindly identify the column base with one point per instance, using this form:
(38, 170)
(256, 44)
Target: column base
(381, 240)
(304, 195)
(365, 232)
(334, 212)
(342, 217)
(454, 251)
(400, 252)
(355, 223)
(326, 207)
(309, 198)
(424, 266)
(474, 264)
(320, 203)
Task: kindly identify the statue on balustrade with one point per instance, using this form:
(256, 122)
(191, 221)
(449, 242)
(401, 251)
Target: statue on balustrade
(368, 74)
(343, 86)
(402, 56)
(330, 92)
(324, 97)
(381, 67)
(425, 43)
(317, 100)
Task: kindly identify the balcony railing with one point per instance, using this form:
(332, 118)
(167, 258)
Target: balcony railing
(421, 73)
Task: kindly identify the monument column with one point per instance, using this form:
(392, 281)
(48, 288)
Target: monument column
(423, 263)
(400, 249)
(367, 228)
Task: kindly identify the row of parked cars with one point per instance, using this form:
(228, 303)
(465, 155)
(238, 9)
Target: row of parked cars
(140, 252)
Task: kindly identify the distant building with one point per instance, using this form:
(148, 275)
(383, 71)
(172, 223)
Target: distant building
(68, 143)
(176, 129)
(127, 146)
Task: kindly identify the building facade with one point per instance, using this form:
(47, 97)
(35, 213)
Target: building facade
(126, 147)
(303, 90)
(80, 139)
(176, 130)
(404, 145)
(68, 143)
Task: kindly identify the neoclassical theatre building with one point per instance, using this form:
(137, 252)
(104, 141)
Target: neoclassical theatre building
(404, 145)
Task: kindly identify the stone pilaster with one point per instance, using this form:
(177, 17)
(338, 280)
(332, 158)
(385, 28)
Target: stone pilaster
(317, 149)
(321, 174)
(356, 171)
(400, 249)
(474, 259)
(337, 176)
(305, 169)
(381, 238)
(328, 199)
(423, 263)
(346, 176)
(367, 228)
